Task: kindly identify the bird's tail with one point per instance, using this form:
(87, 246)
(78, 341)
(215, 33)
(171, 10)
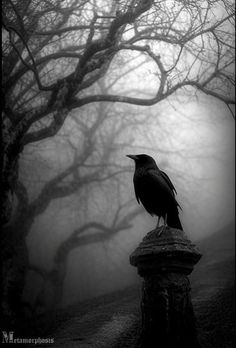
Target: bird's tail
(173, 219)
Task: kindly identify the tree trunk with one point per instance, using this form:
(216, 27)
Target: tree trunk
(9, 178)
(14, 253)
(9, 159)
(15, 263)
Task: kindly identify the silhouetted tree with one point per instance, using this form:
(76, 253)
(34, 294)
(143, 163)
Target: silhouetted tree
(54, 55)
(93, 167)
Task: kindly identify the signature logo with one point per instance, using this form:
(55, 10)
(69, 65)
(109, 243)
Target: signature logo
(7, 337)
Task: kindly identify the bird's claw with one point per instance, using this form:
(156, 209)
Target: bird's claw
(162, 230)
(157, 226)
(164, 226)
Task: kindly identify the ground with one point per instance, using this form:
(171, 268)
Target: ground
(113, 320)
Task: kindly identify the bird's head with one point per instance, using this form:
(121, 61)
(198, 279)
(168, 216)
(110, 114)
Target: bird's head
(143, 160)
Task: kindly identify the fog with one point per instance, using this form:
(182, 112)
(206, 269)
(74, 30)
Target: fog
(191, 139)
(85, 84)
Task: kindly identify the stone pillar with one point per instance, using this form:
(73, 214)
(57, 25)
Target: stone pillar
(165, 262)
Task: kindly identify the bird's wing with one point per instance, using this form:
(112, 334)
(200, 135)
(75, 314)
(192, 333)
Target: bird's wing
(136, 194)
(164, 182)
(168, 181)
(159, 181)
(152, 190)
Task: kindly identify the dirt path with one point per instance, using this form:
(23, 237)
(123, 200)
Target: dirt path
(100, 327)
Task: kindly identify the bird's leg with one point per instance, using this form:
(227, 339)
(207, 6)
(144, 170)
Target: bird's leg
(165, 221)
(158, 220)
(164, 226)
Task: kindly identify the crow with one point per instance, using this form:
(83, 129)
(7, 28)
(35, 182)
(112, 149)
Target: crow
(154, 189)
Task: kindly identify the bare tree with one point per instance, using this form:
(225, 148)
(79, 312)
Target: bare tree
(82, 40)
(56, 52)
(92, 166)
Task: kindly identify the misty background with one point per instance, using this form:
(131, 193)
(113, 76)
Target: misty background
(193, 141)
(85, 84)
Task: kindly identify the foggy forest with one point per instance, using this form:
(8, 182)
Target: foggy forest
(85, 83)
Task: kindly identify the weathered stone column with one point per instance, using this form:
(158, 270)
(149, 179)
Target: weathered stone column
(165, 262)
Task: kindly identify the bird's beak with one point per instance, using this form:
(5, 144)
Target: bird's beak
(133, 157)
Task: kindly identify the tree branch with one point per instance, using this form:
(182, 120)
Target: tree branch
(32, 67)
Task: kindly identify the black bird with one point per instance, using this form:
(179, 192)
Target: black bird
(154, 189)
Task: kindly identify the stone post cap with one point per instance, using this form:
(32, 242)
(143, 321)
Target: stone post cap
(169, 252)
